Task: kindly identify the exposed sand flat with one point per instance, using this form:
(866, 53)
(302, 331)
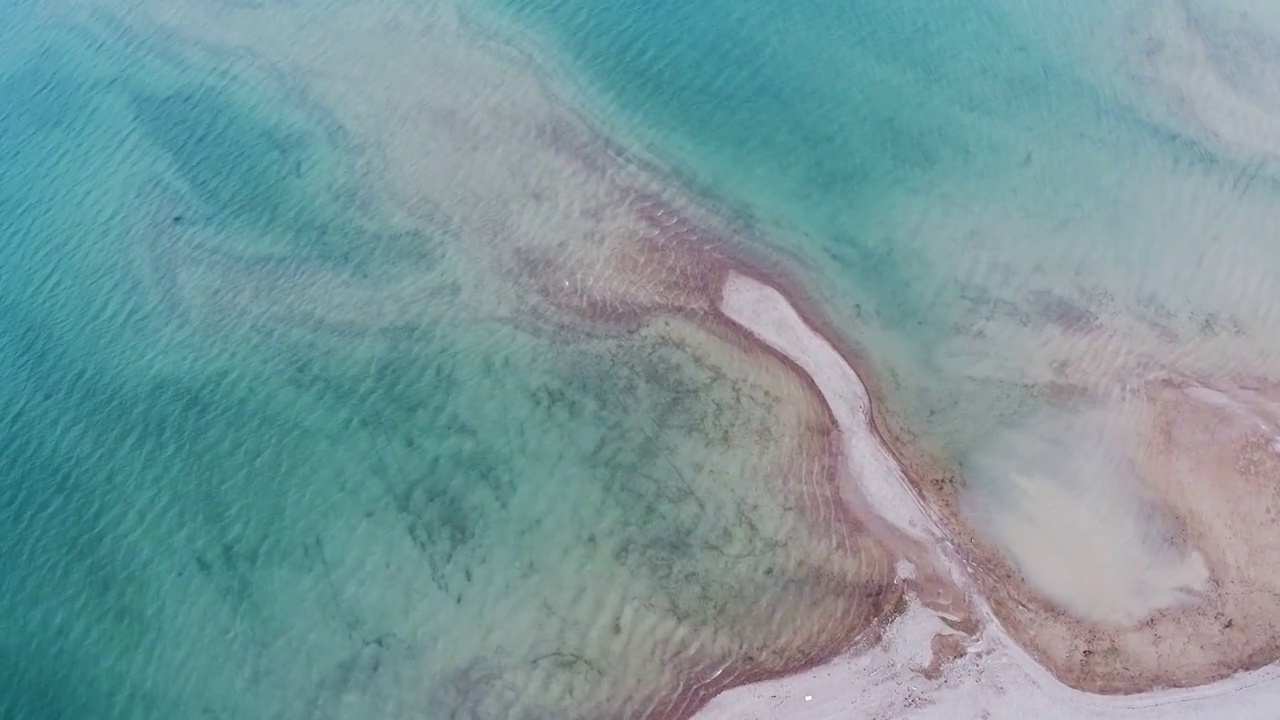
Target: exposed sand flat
(994, 683)
(993, 677)
(765, 313)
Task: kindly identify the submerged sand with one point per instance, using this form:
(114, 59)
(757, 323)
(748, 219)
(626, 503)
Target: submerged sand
(992, 676)
(559, 230)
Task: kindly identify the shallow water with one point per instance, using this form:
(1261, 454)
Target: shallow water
(941, 171)
(1008, 206)
(284, 434)
(273, 449)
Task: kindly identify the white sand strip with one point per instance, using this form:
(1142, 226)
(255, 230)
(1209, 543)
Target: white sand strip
(996, 680)
(764, 312)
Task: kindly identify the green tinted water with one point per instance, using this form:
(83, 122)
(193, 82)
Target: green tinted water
(221, 502)
(955, 177)
(224, 498)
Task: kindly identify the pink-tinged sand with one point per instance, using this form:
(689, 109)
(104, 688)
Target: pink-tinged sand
(901, 677)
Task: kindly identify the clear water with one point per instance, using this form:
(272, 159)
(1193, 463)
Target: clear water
(225, 498)
(942, 170)
(230, 489)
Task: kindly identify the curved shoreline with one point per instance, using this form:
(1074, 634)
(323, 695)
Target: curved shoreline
(992, 674)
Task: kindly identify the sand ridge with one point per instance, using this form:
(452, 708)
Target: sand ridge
(990, 673)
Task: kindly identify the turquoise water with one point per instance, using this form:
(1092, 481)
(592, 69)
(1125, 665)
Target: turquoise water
(825, 116)
(938, 167)
(222, 502)
(224, 498)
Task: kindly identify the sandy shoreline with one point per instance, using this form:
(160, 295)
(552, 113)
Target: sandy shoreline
(994, 677)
